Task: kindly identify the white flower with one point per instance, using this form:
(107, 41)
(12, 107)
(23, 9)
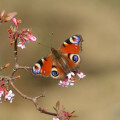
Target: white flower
(63, 83)
(81, 75)
(56, 119)
(69, 75)
(70, 82)
(10, 96)
(21, 44)
(70, 79)
(0, 100)
(1, 93)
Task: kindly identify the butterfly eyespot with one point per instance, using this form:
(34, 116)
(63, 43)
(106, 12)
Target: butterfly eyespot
(75, 39)
(55, 73)
(36, 68)
(74, 57)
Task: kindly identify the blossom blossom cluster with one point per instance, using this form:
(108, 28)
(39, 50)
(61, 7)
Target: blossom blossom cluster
(23, 35)
(62, 114)
(70, 79)
(4, 92)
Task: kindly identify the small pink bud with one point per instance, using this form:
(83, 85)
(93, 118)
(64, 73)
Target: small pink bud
(31, 37)
(17, 77)
(7, 65)
(3, 12)
(15, 22)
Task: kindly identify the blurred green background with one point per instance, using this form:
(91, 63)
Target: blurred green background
(97, 96)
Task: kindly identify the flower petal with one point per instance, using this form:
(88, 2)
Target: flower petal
(56, 119)
(1, 93)
(63, 83)
(81, 75)
(31, 37)
(21, 44)
(15, 22)
(10, 96)
(69, 75)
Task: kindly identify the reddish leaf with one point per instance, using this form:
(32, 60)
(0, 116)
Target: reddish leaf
(7, 65)
(57, 105)
(2, 13)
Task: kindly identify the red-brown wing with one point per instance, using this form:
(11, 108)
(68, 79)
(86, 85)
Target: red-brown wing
(43, 66)
(72, 45)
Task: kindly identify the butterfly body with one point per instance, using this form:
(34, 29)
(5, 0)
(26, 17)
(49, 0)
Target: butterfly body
(60, 62)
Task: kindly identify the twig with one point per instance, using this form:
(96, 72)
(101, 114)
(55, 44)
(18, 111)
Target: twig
(7, 78)
(15, 52)
(34, 100)
(24, 67)
(3, 67)
(15, 59)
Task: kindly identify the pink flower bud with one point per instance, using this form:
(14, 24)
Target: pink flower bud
(15, 22)
(31, 37)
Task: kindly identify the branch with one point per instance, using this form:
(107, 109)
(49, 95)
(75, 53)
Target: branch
(14, 36)
(15, 52)
(24, 67)
(10, 78)
(34, 100)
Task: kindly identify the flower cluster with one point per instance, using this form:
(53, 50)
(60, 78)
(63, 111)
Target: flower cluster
(61, 113)
(24, 35)
(6, 17)
(8, 95)
(71, 79)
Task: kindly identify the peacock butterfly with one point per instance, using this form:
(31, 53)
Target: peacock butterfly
(62, 61)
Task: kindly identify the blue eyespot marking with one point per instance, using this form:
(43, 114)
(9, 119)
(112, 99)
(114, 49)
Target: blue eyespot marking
(55, 73)
(75, 58)
(36, 69)
(77, 39)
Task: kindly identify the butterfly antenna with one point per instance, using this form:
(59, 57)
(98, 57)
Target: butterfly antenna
(51, 41)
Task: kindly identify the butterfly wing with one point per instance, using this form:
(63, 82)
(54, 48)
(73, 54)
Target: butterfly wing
(43, 66)
(70, 51)
(72, 45)
(48, 66)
